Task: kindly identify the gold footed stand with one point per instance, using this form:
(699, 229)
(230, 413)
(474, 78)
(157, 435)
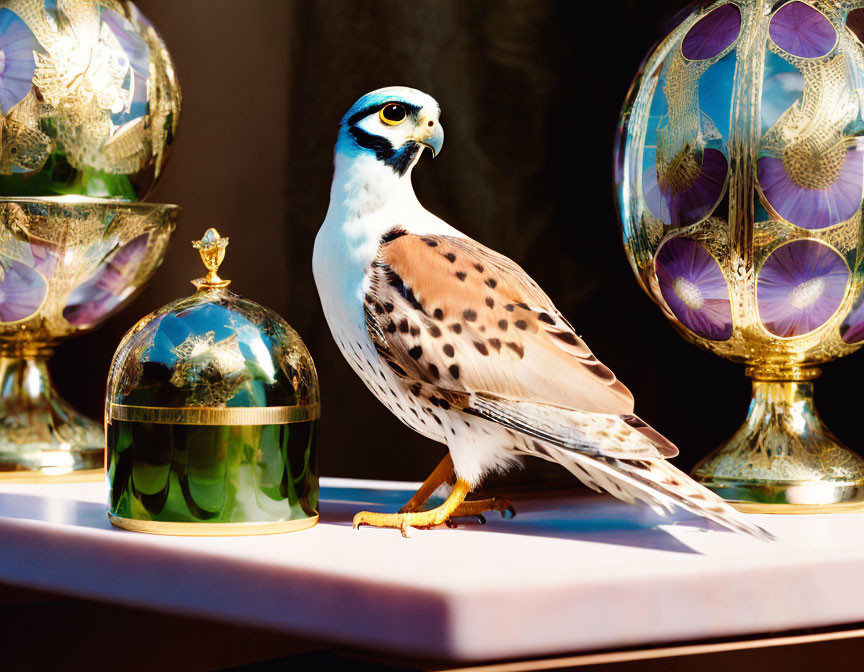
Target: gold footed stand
(39, 430)
(783, 459)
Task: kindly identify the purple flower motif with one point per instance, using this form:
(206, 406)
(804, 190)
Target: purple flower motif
(44, 257)
(17, 62)
(679, 201)
(813, 208)
(21, 291)
(683, 13)
(712, 34)
(103, 291)
(802, 31)
(130, 41)
(694, 288)
(138, 52)
(800, 287)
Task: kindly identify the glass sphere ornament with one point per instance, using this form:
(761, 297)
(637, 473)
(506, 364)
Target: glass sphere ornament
(211, 417)
(89, 100)
(740, 173)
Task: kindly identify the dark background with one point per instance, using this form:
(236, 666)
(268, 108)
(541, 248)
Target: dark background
(530, 93)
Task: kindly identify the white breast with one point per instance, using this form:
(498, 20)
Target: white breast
(367, 200)
(340, 274)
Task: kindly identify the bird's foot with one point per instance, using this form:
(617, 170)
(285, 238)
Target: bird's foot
(443, 515)
(472, 509)
(419, 519)
(400, 521)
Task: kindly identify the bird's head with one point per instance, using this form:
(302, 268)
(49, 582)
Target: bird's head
(392, 125)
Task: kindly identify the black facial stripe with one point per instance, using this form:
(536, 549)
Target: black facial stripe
(381, 146)
(412, 110)
(401, 160)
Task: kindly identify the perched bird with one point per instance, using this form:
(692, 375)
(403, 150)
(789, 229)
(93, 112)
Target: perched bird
(462, 345)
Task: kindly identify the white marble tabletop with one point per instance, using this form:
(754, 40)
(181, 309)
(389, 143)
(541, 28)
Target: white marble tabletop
(566, 575)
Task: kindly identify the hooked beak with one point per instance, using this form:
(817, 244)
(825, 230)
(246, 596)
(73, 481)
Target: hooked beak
(430, 134)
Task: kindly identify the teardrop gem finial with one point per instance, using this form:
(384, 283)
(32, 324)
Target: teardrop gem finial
(212, 249)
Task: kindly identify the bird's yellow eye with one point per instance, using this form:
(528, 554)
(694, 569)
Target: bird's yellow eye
(392, 114)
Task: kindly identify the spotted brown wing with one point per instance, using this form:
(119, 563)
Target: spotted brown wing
(450, 312)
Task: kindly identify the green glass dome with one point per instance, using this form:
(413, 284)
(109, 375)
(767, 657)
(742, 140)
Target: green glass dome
(214, 351)
(211, 417)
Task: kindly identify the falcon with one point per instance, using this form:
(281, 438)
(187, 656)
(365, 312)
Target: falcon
(463, 346)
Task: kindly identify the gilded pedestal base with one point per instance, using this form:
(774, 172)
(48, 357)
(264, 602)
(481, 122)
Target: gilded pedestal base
(783, 459)
(39, 431)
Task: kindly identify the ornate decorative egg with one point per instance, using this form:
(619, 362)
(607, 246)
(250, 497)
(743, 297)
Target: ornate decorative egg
(740, 181)
(89, 101)
(740, 173)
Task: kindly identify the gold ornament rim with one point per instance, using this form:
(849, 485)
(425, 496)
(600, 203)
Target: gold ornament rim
(35, 476)
(797, 509)
(72, 200)
(212, 529)
(783, 373)
(191, 415)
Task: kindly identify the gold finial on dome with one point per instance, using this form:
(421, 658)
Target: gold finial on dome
(212, 249)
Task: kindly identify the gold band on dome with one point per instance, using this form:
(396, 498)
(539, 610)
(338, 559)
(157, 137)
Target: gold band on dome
(212, 529)
(191, 415)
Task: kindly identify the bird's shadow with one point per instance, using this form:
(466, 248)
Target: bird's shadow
(600, 519)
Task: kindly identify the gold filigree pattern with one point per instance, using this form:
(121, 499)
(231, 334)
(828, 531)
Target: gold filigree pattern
(213, 370)
(809, 135)
(681, 139)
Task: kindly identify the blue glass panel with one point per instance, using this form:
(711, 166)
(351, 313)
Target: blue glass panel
(782, 85)
(715, 93)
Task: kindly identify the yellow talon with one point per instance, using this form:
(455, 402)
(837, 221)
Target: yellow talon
(422, 519)
(455, 506)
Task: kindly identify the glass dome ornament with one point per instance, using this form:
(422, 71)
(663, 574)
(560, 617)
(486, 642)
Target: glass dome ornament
(211, 417)
(740, 173)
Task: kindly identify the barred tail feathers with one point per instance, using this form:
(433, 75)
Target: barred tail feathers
(619, 454)
(658, 484)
